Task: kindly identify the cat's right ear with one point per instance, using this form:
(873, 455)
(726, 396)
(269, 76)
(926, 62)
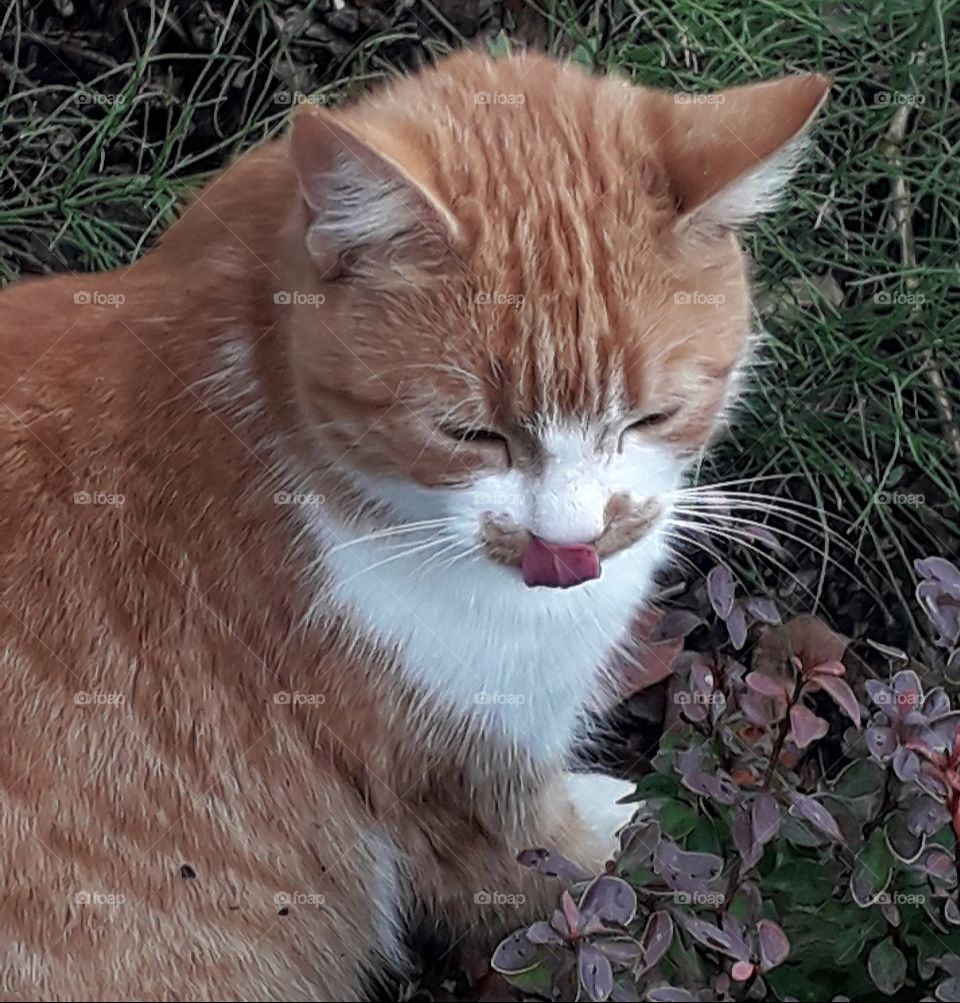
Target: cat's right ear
(364, 207)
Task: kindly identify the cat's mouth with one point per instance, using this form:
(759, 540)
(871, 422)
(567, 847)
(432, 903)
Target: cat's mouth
(562, 566)
(559, 566)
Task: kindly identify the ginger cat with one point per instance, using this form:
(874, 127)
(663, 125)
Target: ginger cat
(321, 521)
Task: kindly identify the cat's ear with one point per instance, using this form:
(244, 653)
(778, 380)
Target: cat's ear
(361, 204)
(729, 155)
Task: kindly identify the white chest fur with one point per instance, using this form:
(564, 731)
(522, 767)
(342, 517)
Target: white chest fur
(521, 662)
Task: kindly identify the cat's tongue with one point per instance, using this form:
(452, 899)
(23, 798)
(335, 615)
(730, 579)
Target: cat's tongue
(559, 566)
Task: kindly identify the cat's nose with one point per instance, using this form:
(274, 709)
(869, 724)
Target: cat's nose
(559, 565)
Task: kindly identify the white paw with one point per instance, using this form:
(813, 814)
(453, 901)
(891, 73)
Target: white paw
(595, 796)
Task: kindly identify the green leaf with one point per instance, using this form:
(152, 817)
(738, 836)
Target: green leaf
(887, 967)
(704, 837)
(873, 869)
(535, 980)
(678, 819)
(850, 943)
(802, 882)
(659, 785)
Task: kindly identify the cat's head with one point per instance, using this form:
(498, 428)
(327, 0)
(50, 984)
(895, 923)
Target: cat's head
(522, 307)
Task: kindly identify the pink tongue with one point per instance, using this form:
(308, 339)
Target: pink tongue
(558, 566)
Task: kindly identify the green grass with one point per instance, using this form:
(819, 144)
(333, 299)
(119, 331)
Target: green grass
(857, 394)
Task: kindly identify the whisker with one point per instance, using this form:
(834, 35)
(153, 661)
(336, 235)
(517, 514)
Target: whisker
(422, 526)
(409, 552)
(726, 518)
(750, 545)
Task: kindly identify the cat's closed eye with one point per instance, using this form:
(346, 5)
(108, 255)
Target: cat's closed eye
(651, 419)
(479, 436)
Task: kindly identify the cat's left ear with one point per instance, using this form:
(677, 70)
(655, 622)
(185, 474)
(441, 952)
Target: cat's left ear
(361, 202)
(729, 155)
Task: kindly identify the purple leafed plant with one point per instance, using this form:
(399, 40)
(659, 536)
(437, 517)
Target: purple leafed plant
(796, 836)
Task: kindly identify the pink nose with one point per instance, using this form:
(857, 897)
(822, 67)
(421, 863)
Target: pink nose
(559, 566)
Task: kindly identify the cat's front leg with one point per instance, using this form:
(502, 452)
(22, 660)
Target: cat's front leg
(595, 798)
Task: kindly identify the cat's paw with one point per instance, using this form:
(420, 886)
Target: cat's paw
(595, 797)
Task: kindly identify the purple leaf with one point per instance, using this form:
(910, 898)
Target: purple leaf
(926, 817)
(670, 994)
(842, 696)
(702, 679)
(515, 954)
(674, 624)
(805, 726)
(904, 844)
(949, 989)
(721, 590)
(609, 899)
(939, 864)
(764, 610)
(761, 710)
(657, 938)
(882, 742)
(553, 865)
(766, 818)
(684, 871)
(542, 932)
(766, 686)
(774, 946)
(939, 570)
(906, 764)
(747, 846)
(880, 694)
(907, 691)
(638, 841)
(718, 786)
(813, 812)
(595, 971)
(622, 951)
(713, 937)
(936, 703)
(737, 626)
